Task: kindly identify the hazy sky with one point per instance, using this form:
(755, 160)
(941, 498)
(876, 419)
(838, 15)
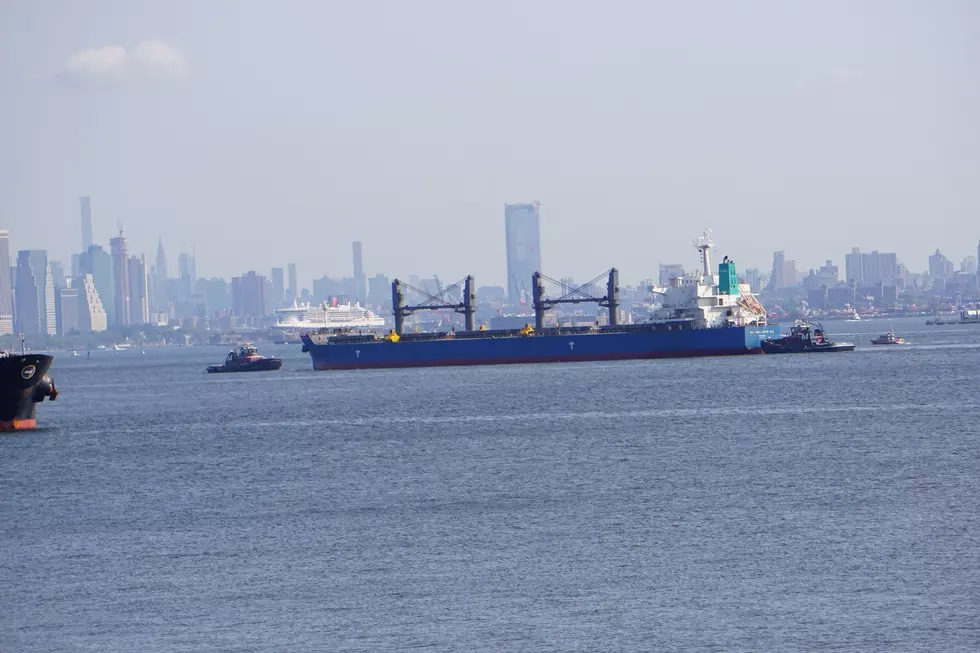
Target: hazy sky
(268, 132)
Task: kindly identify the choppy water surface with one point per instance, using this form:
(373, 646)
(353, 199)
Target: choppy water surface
(765, 503)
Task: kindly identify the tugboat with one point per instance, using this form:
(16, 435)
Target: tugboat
(24, 383)
(804, 339)
(888, 339)
(246, 358)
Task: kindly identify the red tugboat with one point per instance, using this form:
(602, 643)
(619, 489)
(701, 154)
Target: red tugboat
(888, 339)
(24, 383)
(804, 339)
(246, 358)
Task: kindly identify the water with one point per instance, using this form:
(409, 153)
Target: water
(766, 503)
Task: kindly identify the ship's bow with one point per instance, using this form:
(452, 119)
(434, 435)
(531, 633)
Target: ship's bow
(24, 383)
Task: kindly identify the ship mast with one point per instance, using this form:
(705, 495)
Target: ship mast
(703, 244)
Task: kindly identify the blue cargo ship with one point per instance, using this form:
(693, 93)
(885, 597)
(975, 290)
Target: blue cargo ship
(699, 316)
(499, 348)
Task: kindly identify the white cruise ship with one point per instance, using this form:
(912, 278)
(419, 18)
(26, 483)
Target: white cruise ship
(306, 318)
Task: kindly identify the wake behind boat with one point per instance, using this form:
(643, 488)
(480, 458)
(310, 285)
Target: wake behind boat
(804, 338)
(246, 358)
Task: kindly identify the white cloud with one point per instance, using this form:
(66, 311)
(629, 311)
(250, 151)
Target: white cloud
(159, 59)
(113, 64)
(106, 64)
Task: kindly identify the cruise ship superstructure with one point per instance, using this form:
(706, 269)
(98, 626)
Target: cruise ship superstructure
(308, 318)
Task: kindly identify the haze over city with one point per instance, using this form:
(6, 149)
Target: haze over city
(535, 325)
(264, 134)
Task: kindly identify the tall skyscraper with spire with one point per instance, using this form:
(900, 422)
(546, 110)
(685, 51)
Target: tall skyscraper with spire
(86, 207)
(187, 273)
(161, 259)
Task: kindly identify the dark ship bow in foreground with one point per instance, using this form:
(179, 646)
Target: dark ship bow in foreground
(24, 383)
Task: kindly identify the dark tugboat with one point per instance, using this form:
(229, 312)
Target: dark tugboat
(24, 383)
(803, 339)
(246, 358)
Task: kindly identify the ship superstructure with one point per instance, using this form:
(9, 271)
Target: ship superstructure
(707, 302)
(297, 319)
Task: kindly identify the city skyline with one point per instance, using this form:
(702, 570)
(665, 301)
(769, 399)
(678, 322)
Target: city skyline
(187, 261)
(339, 265)
(636, 129)
(48, 302)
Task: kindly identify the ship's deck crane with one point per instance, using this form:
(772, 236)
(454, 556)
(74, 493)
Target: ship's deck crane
(434, 302)
(577, 295)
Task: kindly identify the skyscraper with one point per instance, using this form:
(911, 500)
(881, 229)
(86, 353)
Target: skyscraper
(876, 267)
(160, 298)
(86, 206)
(6, 286)
(187, 275)
(35, 294)
(248, 295)
(789, 274)
(97, 262)
(139, 300)
(69, 305)
(50, 309)
(969, 265)
(777, 278)
(120, 270)
(522, 223)
(359, 277)
(940, 267)
(752, 277)
(161, 259)
(278, 287)
(58, 276)
(91, 312)
(293, 289)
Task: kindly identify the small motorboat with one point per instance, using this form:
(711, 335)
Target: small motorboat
(804, 338)
(246, 358)
(888, 339)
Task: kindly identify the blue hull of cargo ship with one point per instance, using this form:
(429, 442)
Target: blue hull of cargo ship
(540, 348)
